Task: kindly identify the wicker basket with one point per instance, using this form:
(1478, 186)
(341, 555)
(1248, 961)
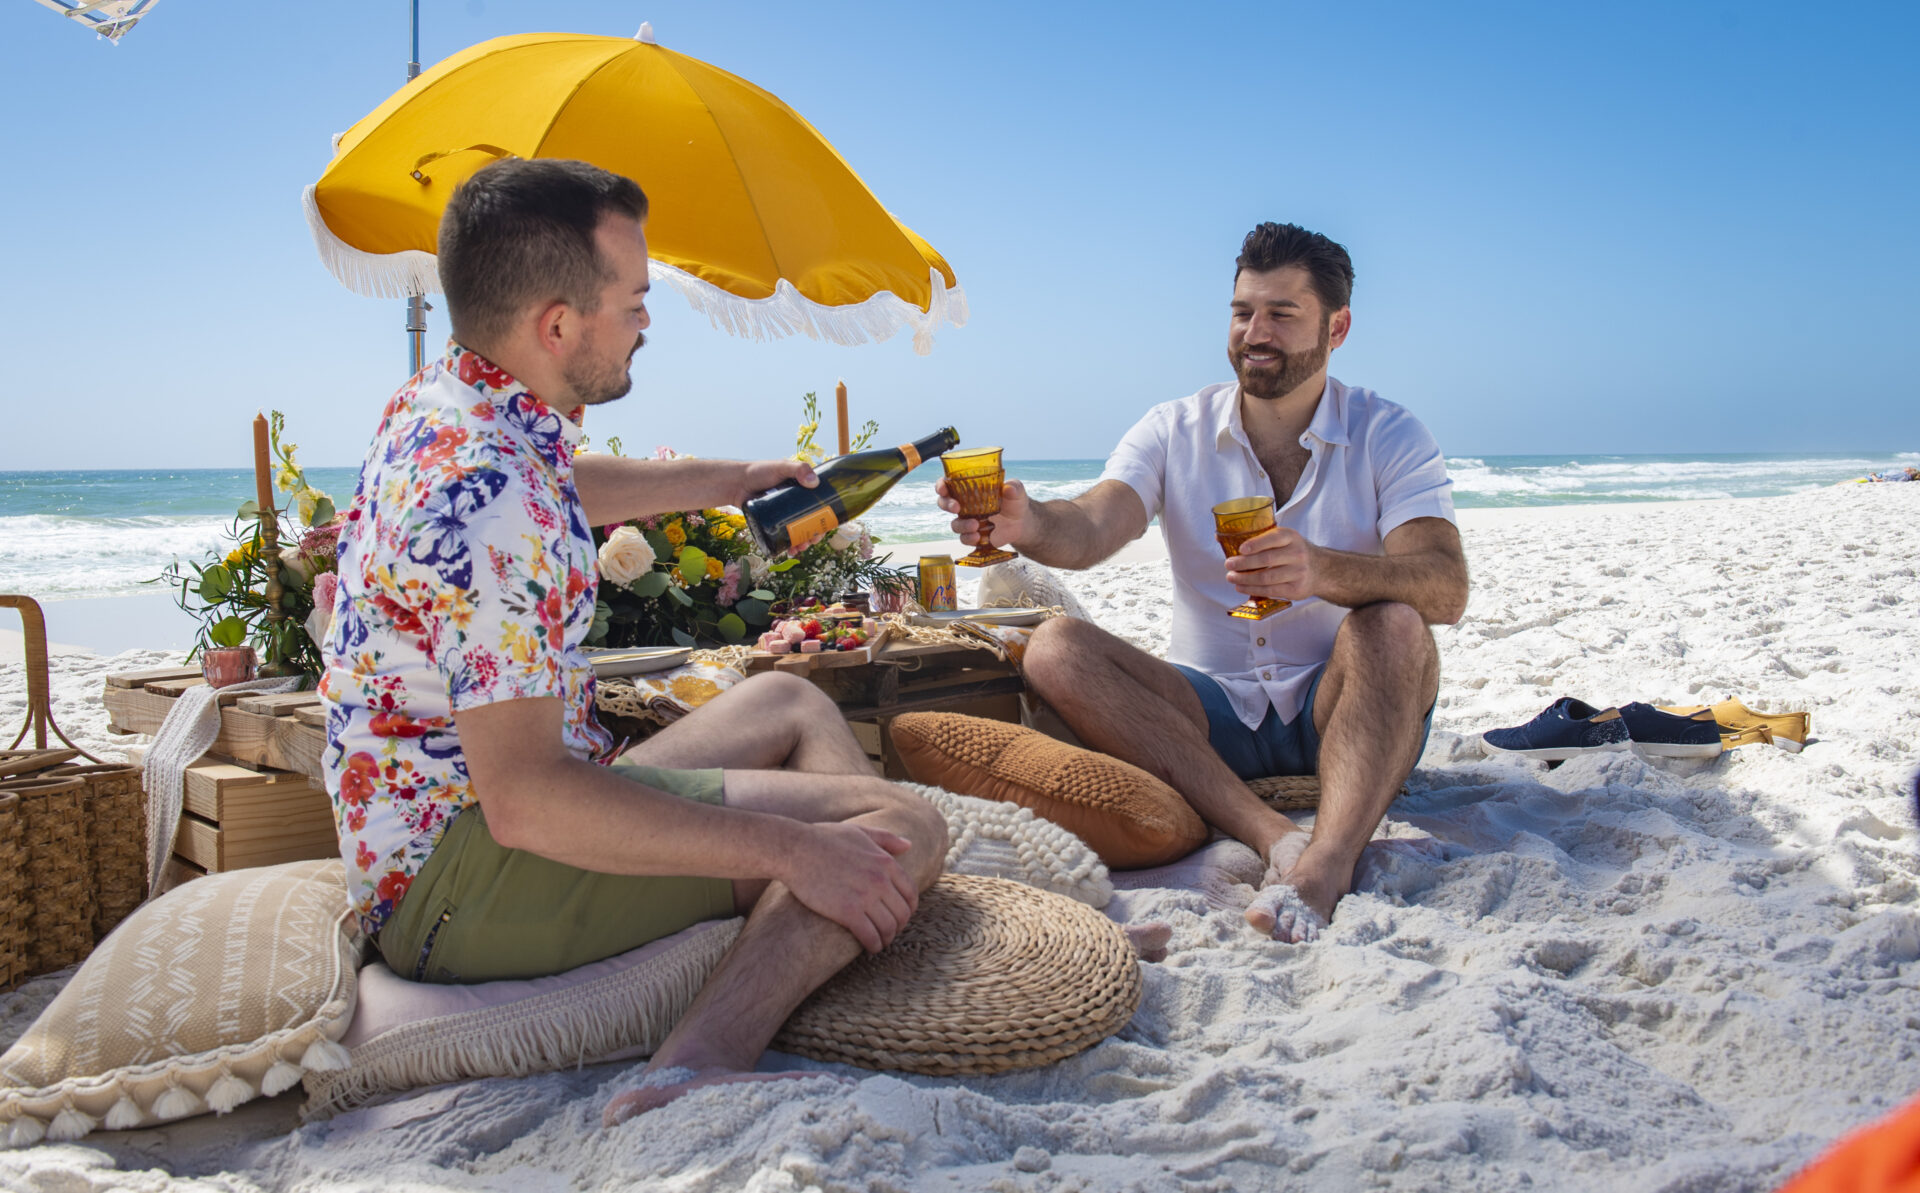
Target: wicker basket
(58, 872)
(13, 911)
(19, 764)
(116, 838)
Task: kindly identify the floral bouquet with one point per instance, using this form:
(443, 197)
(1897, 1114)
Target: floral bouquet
(229, 595)
(694, 577)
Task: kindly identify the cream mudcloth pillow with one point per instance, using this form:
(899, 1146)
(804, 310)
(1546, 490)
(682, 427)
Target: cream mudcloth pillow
(224, 989)
(411, 1034)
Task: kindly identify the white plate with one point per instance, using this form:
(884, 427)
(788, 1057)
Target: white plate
(634, 660)
(1025, 616)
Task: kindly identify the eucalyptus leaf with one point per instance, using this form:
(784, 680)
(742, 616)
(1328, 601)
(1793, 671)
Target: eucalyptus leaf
(761, 594)
(682, 638)
(662, 549)
(248, 510)
(227, 632)
(323, 511)
(679, 594)
(651, 585)
(785, 565)
(732, 628)
(753, 612)
(693, 564)
(215, 582)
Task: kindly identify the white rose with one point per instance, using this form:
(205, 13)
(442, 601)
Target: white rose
(845, 536)
(758, 569)
(298, 567)
(625, 556)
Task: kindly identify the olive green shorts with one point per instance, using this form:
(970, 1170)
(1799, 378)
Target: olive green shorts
(479, 912)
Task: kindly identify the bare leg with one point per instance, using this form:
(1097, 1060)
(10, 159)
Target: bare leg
(1379, 684)
(785, 951)
(1107, 690)
(770, 722)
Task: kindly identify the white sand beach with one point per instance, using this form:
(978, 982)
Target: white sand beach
(1615, 975)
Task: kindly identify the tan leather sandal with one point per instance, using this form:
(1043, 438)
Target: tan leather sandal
(1744, 726)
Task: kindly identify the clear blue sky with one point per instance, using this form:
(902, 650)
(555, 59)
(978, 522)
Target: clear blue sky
(1625, 227)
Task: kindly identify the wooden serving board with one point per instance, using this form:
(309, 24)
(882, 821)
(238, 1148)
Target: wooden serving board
(826, 660)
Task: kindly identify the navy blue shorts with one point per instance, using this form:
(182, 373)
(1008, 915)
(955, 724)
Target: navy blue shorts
(1277, 747)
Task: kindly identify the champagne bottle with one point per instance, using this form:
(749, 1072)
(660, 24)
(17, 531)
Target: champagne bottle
(787, 515)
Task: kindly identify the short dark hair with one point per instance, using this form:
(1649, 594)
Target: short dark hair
(520, 232)
(1276, 246)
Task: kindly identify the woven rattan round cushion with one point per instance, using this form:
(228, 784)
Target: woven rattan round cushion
(1289, 793)
(988, 976)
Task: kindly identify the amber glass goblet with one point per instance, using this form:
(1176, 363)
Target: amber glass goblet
(974, 477)
(1234, 522)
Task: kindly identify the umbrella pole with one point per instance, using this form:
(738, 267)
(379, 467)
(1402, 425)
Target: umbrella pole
(416, 303)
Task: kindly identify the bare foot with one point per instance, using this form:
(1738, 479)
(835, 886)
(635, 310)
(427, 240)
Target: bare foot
(1281, 913)
(1300, 890)
(1266, 910)
(663, 1085)
(1149, 939)
(1224, 872)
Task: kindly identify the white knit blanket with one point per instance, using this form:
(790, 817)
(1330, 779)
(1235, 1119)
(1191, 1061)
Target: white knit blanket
(1002, 840)
(192, 725)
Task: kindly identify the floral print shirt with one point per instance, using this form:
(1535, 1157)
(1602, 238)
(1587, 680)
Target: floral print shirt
(466, 577)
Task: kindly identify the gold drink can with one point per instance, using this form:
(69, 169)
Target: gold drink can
(936, 583)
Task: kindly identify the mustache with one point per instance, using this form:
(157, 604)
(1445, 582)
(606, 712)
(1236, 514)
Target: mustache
(639, 342)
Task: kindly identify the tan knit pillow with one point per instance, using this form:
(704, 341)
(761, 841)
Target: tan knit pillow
(1130, 818)
(224, 989)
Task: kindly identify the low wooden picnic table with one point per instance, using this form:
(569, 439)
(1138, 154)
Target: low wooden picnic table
(903, 677)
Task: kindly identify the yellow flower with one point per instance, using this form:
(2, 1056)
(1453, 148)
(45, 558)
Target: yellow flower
(715, 569)
(737, 521)
(676, 533)
(721, 530)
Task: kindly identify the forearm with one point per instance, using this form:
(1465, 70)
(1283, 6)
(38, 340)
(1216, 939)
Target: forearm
(1433, 583)
(615, 488)
(587, 816)
(1063, 534)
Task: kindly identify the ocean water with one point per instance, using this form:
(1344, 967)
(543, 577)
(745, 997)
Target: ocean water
(92, 534)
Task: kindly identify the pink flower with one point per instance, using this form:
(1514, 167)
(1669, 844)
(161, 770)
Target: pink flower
(664, 452)
(325, 587)
(322, 542)
(729, 584)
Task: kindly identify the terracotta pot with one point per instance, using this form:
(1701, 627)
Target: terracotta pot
(229, 665)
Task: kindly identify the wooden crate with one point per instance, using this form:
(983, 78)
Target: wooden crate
(256, 798)
(237, 816)
(261, 731)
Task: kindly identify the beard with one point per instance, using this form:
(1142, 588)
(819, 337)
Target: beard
(1287, 373)
(595, 381)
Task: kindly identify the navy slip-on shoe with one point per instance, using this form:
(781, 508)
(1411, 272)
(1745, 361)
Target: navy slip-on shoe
(1567, 729)
(1656, 734)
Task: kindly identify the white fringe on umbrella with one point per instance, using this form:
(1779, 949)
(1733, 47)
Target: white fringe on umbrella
(376, 275)
(783, 313)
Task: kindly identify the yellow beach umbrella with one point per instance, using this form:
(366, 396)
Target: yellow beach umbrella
(754, 216)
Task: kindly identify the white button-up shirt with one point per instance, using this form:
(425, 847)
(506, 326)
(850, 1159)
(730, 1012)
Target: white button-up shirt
(1372, 466)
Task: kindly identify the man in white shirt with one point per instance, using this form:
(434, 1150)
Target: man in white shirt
(1343, 682)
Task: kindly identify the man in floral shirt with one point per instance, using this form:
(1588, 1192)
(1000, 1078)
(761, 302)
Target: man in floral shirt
(483, 839)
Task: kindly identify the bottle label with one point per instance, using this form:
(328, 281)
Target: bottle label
(912, 454)
(806, 526)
